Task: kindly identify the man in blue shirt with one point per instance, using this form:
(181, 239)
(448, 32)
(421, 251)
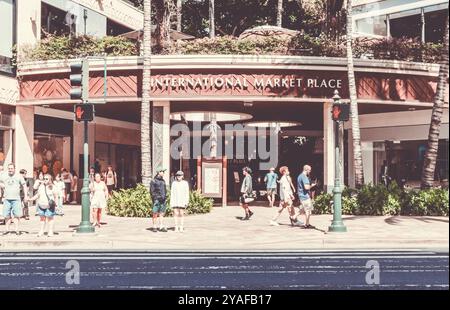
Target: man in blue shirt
(271, 179)
(304, 186)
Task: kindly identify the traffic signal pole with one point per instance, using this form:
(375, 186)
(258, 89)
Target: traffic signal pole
(80, 78)
(337, 225)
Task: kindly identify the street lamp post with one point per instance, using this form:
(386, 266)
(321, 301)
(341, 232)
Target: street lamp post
(337, 225)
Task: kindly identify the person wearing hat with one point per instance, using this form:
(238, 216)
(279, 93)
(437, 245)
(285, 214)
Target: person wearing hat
(158, 193)
(271, 179)
(179, 199)
(246, 192)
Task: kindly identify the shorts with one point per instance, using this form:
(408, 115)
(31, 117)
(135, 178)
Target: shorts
(179, 207)
(110, 188)
(271, 191)
(12, 206)
(159, 207)
(67, 187)
(307, 204)
(45, 212)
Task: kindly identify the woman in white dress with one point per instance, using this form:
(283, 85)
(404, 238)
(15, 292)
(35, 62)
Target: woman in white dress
(179, 200)
(99, 193)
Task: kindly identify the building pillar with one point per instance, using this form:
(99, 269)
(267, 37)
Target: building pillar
(351, 173)
(328, 148)
(367, 157)
(161, 137)
(24, 138)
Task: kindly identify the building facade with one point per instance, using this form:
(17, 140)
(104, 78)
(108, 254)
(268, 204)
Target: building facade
(287, 94)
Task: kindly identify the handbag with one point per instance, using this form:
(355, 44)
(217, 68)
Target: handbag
(51, 202)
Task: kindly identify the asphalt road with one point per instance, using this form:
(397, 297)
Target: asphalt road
(262, 270)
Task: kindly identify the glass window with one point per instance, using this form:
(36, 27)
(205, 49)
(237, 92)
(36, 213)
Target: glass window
(435, 26)
(406, 24)
(56, 21)
(6, 34)
(402, 161)
(372, 25)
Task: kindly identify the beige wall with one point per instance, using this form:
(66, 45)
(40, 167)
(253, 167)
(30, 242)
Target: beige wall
(117, 135)
(29, 21)
(9, 91)
(24, 137)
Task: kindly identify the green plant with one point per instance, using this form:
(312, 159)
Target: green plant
(322, 203)
(349, 205)
(133, 202)
(433, 202)
(198, 204)
(137, 202)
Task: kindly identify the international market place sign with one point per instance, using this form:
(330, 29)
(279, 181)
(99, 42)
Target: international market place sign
(314, 85)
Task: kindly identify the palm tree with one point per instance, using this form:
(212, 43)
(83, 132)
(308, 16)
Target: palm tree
(212, 30)
(429, 163)
(146, 165)
(179, 3)
(163, 10)
(358, 163)
(279, 13)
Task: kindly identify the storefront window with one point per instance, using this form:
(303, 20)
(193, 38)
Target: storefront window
(48, 153)
(376, 25)
(402, 161)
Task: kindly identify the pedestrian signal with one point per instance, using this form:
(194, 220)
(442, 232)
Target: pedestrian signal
(340, 112)
(84, 112)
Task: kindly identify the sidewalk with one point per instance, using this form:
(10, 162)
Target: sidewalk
(222, 230)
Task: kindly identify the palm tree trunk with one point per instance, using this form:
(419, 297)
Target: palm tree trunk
(358, 163)
(212, 30)
(163, 12)
(145, 106)
(279, 13)
(429, 163)
(179, 2)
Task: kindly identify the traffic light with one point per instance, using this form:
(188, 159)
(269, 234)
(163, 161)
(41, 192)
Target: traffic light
(79, 80)
(84, 112)
(340, 112)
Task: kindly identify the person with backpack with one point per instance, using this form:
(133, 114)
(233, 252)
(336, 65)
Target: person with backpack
(271, 179)
(46, 197)
(111, 179)
(159, 196)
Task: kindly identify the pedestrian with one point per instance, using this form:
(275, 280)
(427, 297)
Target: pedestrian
(12, 184)
(25, 204)
(304, 187)
(38, 181)
(271, 179)
(247, 193)
(74, 188)
(286, 198)
(159, 196)
(91, 174)
(179, 199)
(46, 197)
(99, 198)
(60, 190)
(111, 179)
(67, 178)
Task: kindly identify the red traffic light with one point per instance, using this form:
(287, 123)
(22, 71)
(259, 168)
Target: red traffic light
(340, 112)
(84, 112)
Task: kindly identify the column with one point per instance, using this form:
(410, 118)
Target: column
(368, 160)
(161, 137)
(24, 138)
(328, 148)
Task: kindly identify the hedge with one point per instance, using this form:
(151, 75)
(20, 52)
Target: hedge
(381, 200)
(137, 202)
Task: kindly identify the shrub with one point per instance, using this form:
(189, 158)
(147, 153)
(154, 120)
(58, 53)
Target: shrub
(433, 202)
(349, 205)
(199, 204)
(322, 203)
(137, 202)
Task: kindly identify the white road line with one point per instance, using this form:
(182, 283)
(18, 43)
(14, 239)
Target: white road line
(216, 257)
